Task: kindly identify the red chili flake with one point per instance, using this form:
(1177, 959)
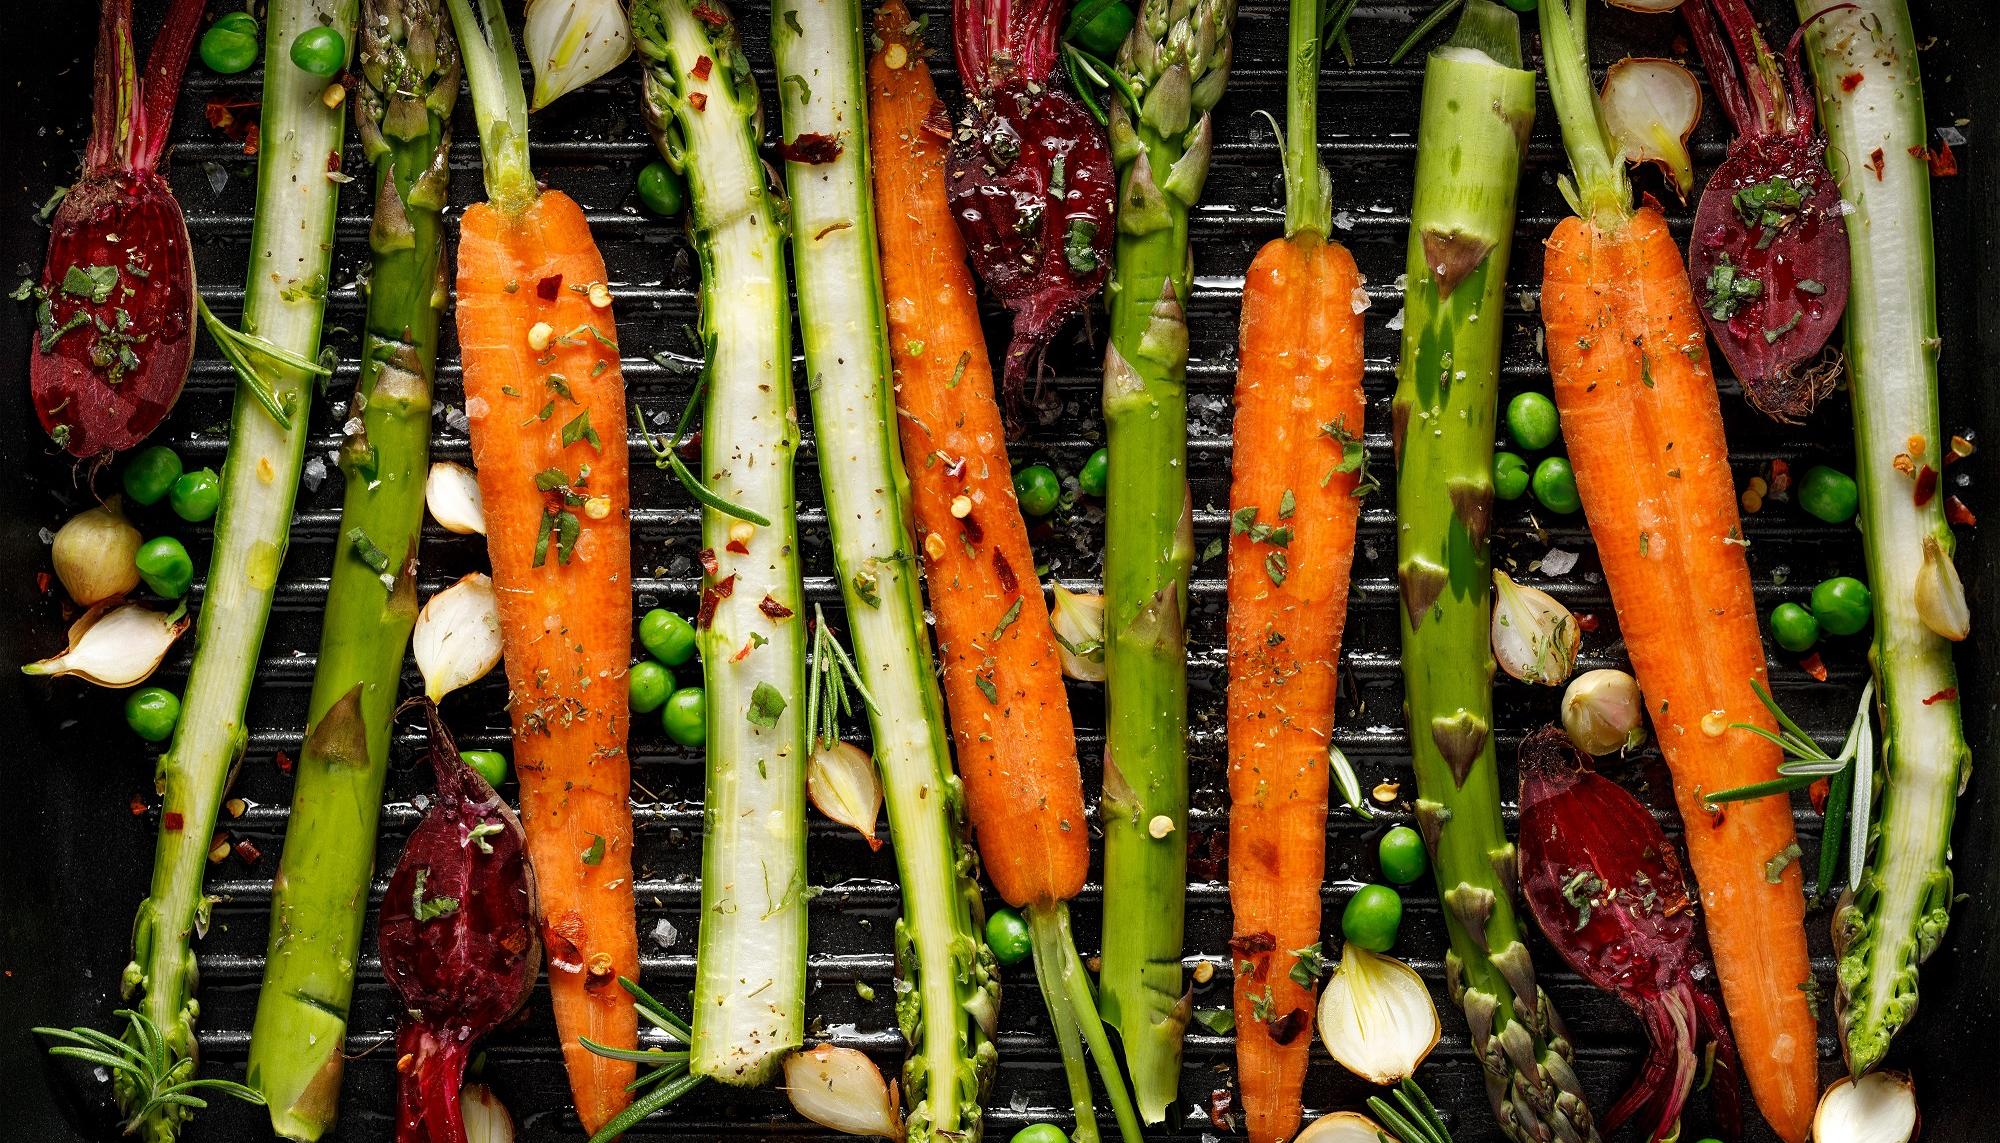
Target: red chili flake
(698, 100)
(1815, 666)
(810, 147)
(1956, 512)
(332, 161)
(549, 288)
(773, 608)
(1876, 163)
(1850, 81)
(1943, 163)
(743, 652)
(710, 16)
(1819, 792)
(42, 582)
(1250, 944)
(138, 806)
(740, 547)
(172, 821)
(1945, 695)
(709, 566)
(710, 596)
(937, 121)
(972, 531)
(284, 761)
(1926, 485)
(251, 140)
(1586, 623)
(1222, 1109)
(1286, 1028)
(702, 67)
(1004, 570)
(248, 853)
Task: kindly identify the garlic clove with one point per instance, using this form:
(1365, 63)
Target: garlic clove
(571, 42)
(116, 645)
(842, 783)
(457, 638)
(452, 494)
(1376, 1017)
(1535, 639)
(486, 1118)
(94, 555)
(1941, 594)
(1880, 1107)
(1603, 712)
(1078, 621)
(841, 1088)
(1651, 107)
(1343, 1127)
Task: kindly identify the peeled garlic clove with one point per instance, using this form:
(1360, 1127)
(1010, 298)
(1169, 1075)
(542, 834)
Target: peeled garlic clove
(486, 1118)
(843, 785)
(1343, 1127)
(457, 640)
(94, 555)
(1535, 639)
(116, 645)
(1078, 621)
(1941, 594)
(1880, 1107)
(1376, 1017)
(452, 494)
(1604, 712)
(571, 42)
(1651, 107)
(842, 1088)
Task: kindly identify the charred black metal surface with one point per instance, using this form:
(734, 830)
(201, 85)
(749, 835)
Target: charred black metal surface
(74, 857)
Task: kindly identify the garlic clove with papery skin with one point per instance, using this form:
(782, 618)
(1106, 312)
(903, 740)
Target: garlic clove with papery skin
(571, 42)
(1078, 622)
(116, 645)
(1941, 594)
(1880, 1107)
(1603, 712)
(457, 637)
(1651, 107)
(486, 1118)
(1342, 1127)
(842, 783)
(451, 492)
(1535, 639)
(1376, 1017)
(841, 1088)
(95, 554)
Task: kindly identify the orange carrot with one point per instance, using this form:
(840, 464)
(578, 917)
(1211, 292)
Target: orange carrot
(1643, 424)
(1003, 682)
(546, 402)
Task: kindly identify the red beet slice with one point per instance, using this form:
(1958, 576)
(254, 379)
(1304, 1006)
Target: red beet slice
(115, 323)
(1768, 257)
(1030, 177)
(1606, 888)
(458, 939)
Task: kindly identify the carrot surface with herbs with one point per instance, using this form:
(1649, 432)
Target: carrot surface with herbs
(1293, 512)
(1003, 682)
(1643, 424)
(546, 402)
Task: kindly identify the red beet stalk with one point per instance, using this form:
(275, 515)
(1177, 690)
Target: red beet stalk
(115, 324)
(1030, 177)
(1607, 889)
(458, 940)
(1769, 252)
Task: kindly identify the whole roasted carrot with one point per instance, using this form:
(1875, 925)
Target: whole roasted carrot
(1644, 428)
(1293, 511)
(1003, 679)
(546, 403)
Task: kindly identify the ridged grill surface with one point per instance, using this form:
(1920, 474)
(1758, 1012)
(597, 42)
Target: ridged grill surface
(590, 145)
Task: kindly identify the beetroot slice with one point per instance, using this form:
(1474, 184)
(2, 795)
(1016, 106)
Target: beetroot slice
(1607, 889)
(115, 321)
(1768, 258)
(458, 939)
(1030, 177)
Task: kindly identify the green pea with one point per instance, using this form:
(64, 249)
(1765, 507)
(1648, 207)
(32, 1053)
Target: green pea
(1510, 475)
(1038, 488)
(1007, 935)
(196, 495)
(1372, 917)
(1529, 6)
(488, 764)
(151, 473)
(1532, 421)
(1098, 27)
(319, 51)
(661, 189)
(1555, 486)
(1829, 494)
(685, 716)
(650, 684)
(1095, 474)
(152, 713)
(1794, 627)
(667, 637)
(230, 44)
(1842, 605)
(1040, 1133)
(164, 564)
(1401, 852)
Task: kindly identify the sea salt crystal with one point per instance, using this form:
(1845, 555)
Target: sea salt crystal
(1018, 1101)
(1397, 321)
(315, 473)
(1558, 562)
(665, 933)
(1360, 300)
(456, 418)
(47, 536)
(1951, 136)
(218, 176)
(1343, 221)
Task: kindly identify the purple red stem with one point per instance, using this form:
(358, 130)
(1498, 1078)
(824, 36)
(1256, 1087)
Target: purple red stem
(131, 116)
(996, 38)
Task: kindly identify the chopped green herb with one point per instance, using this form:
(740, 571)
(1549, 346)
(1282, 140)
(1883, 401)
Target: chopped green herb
(432, 909)
(1276, 566)
(1774, 869)
(1310, 966)
(987, 688)
(1007, 620)
(1581, 891)
(766, 704)
(595, 854)
(578, 429)
(1730, 290)
(1287, 505)
(1221, 1021)
(1080, 246)
(481, 832)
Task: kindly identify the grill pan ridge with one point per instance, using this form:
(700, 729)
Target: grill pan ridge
(74, 856)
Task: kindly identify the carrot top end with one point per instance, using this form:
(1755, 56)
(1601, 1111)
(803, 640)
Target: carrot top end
(1599, 189)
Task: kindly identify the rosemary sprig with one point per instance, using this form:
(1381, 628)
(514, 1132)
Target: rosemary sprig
(1805, 762)
(1333, 29)
(237, 348)
(1345, 780)
(1089, 76)
(667, 1069)
(157, 1077)
(1413, 1119)
(833, 671)
(1424, 28)
(666, 456)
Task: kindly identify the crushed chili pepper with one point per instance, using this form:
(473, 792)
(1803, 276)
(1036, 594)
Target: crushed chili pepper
(1850, 81)
(248, 853)
(738, 546)
(712, 595)
(810, 147)
(709, 565)
(1945, 695)
(702, 67)
(1927, 479)
(549, 288)
(1587, 622)
(1004, 571)
(139, 806)
(774, 609)
(1222, 1109)
(1815, 666)
(1286, 1028)
(1956, 512)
